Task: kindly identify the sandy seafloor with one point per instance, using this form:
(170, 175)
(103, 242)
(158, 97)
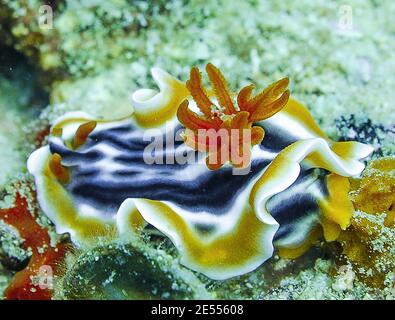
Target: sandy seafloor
(339, 56)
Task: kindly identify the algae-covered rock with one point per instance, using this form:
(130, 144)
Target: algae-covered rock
(360, 128)
(324, 282)
(106, 95)
(369, 242)
(75, 38)
(129, 271)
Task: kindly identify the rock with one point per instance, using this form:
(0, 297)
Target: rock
(129, 271)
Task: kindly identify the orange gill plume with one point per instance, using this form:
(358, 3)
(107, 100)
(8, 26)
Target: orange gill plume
(224, 130)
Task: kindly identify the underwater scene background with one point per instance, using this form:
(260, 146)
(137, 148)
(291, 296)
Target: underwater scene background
(63, 60)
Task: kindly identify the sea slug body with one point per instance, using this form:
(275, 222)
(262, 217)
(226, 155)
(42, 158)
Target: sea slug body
(94, 178)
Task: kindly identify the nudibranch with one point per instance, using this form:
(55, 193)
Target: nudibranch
(97, 177)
